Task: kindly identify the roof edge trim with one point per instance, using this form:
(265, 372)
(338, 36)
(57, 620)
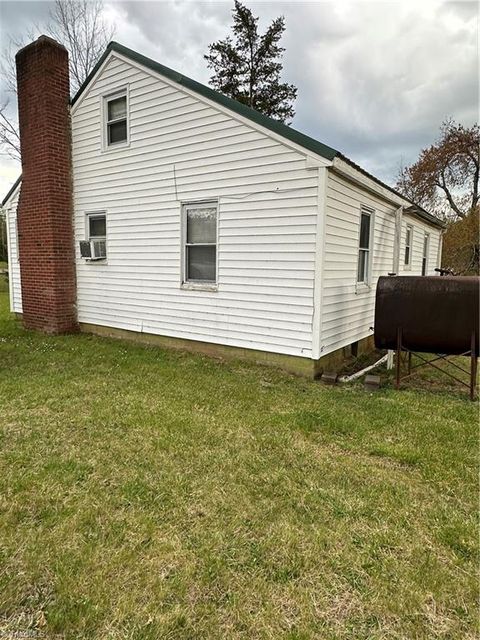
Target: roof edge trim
(419, 211)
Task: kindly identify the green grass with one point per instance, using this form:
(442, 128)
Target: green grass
(150, 494)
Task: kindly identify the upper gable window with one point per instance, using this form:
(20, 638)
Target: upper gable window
(116, 119)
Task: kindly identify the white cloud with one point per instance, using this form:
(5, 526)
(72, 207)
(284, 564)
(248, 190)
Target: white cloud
(375, 79)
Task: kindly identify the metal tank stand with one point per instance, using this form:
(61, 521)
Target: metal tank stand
(407, 362)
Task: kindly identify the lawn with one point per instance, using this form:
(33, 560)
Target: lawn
(151, 494)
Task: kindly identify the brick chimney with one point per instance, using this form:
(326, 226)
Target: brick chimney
(45, 209)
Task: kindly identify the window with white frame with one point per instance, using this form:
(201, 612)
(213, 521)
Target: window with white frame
(363, 270)
(426, 243)
(408, 245)
(97, 234)
(200, 242)
(116, 119)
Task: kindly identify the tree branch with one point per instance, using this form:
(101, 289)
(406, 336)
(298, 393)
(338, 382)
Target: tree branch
(449, 197)
(80, 26)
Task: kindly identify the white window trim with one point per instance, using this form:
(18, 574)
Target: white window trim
(365, 285)
(425, 252)
(408, 265)
(196, 285)
(93, 214)
(105, 99)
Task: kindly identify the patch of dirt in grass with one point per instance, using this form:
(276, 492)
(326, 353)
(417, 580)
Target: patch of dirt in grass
(352, 365)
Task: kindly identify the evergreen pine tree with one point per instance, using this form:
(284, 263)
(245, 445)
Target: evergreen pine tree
(248, 69)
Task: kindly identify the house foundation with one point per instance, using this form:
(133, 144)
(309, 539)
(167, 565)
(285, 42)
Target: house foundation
(292, 364)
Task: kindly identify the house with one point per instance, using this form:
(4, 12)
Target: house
(155, 208)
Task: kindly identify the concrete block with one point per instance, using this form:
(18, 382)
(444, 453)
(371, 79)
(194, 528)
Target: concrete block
(329, 377)
(372, 383)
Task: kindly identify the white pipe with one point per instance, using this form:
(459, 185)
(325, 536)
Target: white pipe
(358, 374)
(390, 354)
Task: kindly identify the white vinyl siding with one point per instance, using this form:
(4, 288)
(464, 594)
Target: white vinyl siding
(183, 150)
(347, 312)
(15, 286)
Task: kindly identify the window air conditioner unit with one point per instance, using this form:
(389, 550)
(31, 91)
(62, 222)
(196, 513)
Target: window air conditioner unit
(93, 249)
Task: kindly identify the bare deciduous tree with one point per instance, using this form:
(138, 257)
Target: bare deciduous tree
(445, 178)
(9, 136)
(81, 27)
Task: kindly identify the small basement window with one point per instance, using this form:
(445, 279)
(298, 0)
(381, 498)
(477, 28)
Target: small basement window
(408, 245)
(97, 235)
(363, 270)
(116, 120)
(426, 243)
(200, 242)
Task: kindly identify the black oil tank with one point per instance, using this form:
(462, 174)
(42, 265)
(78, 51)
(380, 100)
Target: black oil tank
(435, 314)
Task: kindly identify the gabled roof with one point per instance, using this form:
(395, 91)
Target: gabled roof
(207, 92)
(11, 190)
(287, 132)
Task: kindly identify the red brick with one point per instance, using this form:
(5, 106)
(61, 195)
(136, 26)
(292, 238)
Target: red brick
(45, 208)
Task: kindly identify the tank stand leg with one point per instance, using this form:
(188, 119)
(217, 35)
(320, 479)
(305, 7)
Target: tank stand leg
(398, 358)
(473, 367)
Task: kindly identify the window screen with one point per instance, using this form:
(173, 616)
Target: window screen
(426, 240)
(97, 234)
(408, 246)
(201, 243)
(117, 120)
(97, 226)
(364, 247)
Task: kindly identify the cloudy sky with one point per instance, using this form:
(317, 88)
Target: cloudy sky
(375, 79)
